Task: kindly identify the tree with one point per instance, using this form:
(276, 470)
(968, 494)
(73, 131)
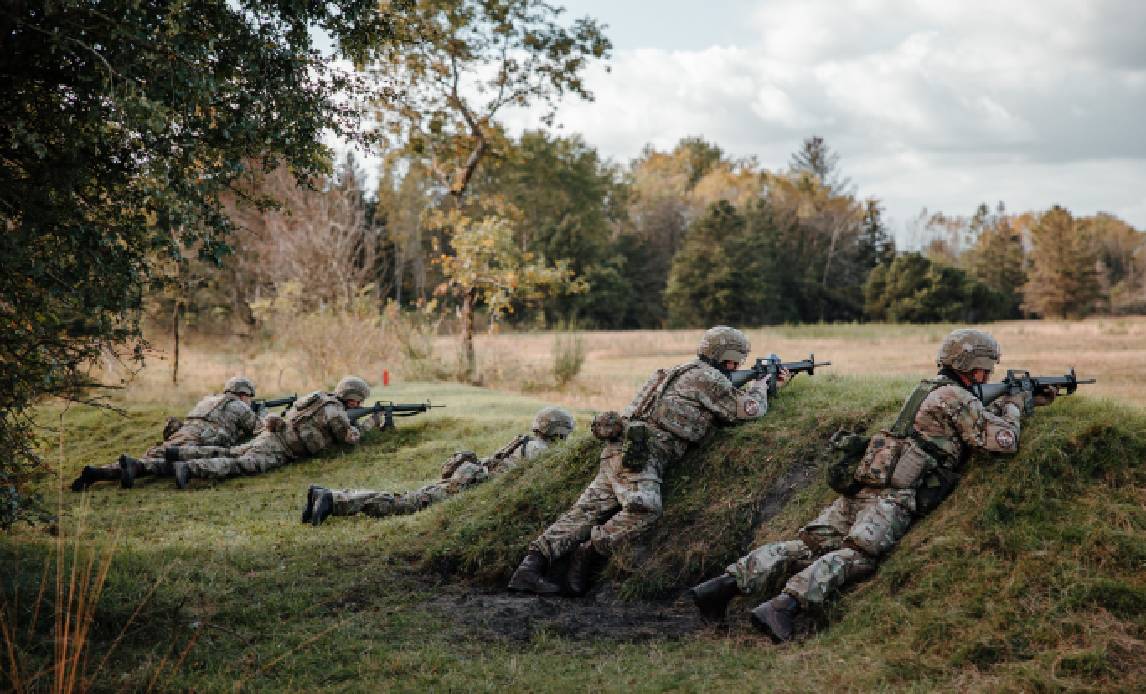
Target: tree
(1063, 279)
(817, 160)
(122, 122)
(488, 267)
(466, 61)
(997, 258)
(915, 289)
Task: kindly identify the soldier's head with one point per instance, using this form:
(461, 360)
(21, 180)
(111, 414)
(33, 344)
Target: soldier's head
(724, 348)
(972, 354)
(243, 388)
(352, 390)
(553, 423)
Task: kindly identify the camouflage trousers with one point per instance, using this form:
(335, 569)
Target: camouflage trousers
(617, 506)
(349, 502)
(842, 545)
(265, 452)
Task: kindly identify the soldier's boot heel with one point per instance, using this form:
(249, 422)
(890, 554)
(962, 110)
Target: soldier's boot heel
(530, 576)
(129, 469)
(583, 566)
(323, 506)
(775, 617)
(312, 493)
(89, 476)
(712, 596)
(182, 474)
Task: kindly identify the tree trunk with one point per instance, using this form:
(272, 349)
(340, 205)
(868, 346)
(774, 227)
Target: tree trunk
(175, 334)
(468, 334)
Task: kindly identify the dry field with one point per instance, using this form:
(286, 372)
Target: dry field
(1111, 350)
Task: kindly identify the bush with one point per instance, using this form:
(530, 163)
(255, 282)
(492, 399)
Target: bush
(568, 357)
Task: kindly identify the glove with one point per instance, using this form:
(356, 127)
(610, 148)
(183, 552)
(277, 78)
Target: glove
(354, 435)
(1021, 400)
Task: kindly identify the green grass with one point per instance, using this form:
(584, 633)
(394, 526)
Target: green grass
(1032, 576)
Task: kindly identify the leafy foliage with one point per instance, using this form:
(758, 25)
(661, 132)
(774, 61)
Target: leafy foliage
(914, 289)
(122, 122)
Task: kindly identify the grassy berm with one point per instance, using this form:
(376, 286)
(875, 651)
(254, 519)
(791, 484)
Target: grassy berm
(1032, 576)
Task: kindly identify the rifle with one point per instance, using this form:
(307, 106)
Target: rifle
(389, 410)
(258, 406)
(771, 366)
(1018, 381)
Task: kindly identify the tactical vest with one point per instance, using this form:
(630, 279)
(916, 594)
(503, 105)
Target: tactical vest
(304, 433)
(208, 408)
(902, 458)
(690, 426)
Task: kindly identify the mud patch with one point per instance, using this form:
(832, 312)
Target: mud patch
(800, 475)
(601, 615)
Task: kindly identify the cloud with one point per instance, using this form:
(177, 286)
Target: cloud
(934, 103)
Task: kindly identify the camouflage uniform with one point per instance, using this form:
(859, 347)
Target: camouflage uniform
(313, 423)
(844, 542)
(463, 470)
(679, 406)
(218, 420)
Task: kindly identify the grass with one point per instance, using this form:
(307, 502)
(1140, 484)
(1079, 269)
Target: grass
(1031, 577)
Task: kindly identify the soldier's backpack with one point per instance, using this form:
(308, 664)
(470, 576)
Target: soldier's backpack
(635, 437)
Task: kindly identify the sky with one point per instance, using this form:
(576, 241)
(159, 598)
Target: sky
(930, 104)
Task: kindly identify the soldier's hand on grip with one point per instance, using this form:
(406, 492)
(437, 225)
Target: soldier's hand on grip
(1045, 396)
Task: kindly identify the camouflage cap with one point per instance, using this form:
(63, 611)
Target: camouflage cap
(723, 343)
(239, 385)
(352, 388)
(553, 422)
(966, 349)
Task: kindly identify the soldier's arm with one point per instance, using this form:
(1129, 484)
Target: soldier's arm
(731, 404)
(995, 429)
(249, 422)
(340, 426)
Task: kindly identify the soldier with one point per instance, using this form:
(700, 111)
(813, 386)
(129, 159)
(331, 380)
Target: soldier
(903, 474)
(463, 470)
(673, 410)
(313, 423)
(225, 419)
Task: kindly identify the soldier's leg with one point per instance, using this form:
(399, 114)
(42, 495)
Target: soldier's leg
(574, 526)
(827, 532)
(881, 521)
(768, 566)
(641, 507)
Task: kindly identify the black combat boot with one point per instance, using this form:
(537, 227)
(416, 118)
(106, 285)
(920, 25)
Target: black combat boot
(323, 505)
(712, 596)
(90, 475)
(182, 473)
(530, 576)
(312, 493)
(583, 565)
(775, 617)
(171, 454)
(129, 469)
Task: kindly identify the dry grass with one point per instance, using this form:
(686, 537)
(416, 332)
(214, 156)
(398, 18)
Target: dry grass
(616, 363)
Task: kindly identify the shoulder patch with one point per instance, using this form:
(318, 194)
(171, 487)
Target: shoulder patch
(1005, 438)
(751, 407)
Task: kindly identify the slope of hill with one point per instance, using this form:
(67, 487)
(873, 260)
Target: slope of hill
(1031, 576)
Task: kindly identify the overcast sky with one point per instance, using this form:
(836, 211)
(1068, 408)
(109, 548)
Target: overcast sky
(936, 104)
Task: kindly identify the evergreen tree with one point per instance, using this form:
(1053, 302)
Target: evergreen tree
(1063, 279)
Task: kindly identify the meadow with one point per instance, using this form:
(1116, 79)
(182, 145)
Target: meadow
(1031, 577)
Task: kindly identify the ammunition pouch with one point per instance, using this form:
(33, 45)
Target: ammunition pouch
(635, 445)
(934, 488)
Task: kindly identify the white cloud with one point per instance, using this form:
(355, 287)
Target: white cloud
(937, 104)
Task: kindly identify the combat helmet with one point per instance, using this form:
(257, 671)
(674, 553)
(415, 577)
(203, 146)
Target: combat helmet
(553, 423)
(239, 385)
(966, 349)
(352, 388)
(723, 343)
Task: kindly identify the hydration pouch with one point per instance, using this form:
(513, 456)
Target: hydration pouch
(635, 446)
(841, 472)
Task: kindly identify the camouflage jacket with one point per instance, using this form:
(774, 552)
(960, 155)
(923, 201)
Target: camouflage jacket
(315, 422)
(950, 423)
(219, 420)
(692, 398)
